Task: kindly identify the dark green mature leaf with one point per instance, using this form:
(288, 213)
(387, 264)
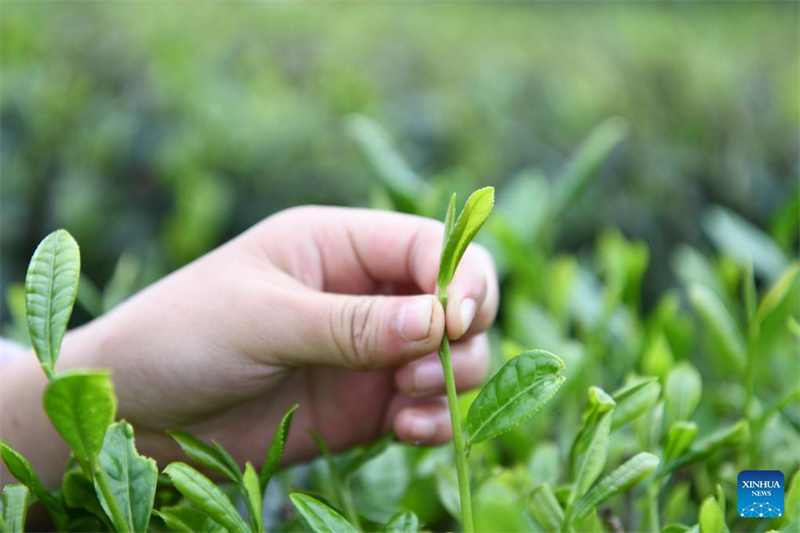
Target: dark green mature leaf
(21, 469)
(276, 447)
(544, 507)
(778, 292)
(634, 400)
(51, 286)
(630, 473)
(203, 493)
(683, 389)
(252, 491)
(15, 507)
(516, 392)
(477, 209)
(204, 455)
(81, 405)
(585, 162)
(720, 323)
(712, 519)
(402, 522)
(319, 517)
(131, 477)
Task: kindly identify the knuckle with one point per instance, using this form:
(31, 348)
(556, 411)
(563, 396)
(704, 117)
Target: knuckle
(356, 339)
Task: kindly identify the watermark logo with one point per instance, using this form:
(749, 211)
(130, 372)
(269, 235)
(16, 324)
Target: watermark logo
(759, 493)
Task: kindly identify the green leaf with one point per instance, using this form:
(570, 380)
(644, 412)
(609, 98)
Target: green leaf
(720, 324)
(51, 286)
(711, 518)
(449, 219)
(319, 517)
(744, 242)
(204, 455)
(630, 473)
(544, 507)
(131, 477)
(447, 491)
(81, 405)
(516, 392)
(226, 458)
(79, 493)
(15, 507)
(634, 400)
(402, 522)
(366, 455)
(679, 437)
(276, 447)
(591, 462)
(585, 162)
(750, 294)
(726, 437)
(777, 293)
(252, 490)
(186, 519)
(683, 389)
(477, 209)
(21, 469)
(204, 494)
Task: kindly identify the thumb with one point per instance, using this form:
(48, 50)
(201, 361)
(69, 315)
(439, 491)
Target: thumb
(374, 332)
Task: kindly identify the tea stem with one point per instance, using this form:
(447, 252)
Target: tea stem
(462, 468)
(108, 495)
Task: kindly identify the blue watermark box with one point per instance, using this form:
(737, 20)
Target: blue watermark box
(760, 494)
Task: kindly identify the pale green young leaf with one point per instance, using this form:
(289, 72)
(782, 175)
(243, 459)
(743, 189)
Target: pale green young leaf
(732, 435)
(720, 323)
(634, 400)
(447, 491)
(205, 495)
(81, 405)
(544, 507)
(320, 517)
(684, 387)
(711, 518)
(227, 459)
(204, 455)
(600, 403)
(591, 462)
(750, 295)
(131, 477)
(252, 490)
(516, 392)
(449, 220)
(778, 292)
(184, 519)
(402, 522)
(585, 162)
(15, 507)
(51, 286)
(477, 209)
(365, 455)
(623, 477)
(679, 437)
(21, 469)
(276, 447)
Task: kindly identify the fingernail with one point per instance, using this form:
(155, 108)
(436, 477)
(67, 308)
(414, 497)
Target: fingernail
(467, 312)
(422, 430)
(414, 320)
(428, 377)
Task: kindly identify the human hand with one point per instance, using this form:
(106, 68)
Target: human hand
(312, 306)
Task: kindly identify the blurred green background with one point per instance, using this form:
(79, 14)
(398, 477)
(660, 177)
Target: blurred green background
(164, 129)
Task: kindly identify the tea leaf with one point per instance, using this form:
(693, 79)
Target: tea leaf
(131, 477)
(364, 456)
(276, 447)
(477, 209)
(586, 161)
(516, 392)
(81, 405)
(79, 493)
(731, 435)
(51, 286)
(184, 519)
(402, 522)
(750, 294)
(226, 458)
(203, 493)
(711, 518)
(634, 400)
(447, 490)
(254, 500)
(679, 437)
(600, 403)
(683, 389)
(545, 508)
(720, 323)
(630, 473)
(591, 462)
(319, 517)
(777, 293)
(204, 455)
(449, 219)
(21, 469)
(15, 507)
